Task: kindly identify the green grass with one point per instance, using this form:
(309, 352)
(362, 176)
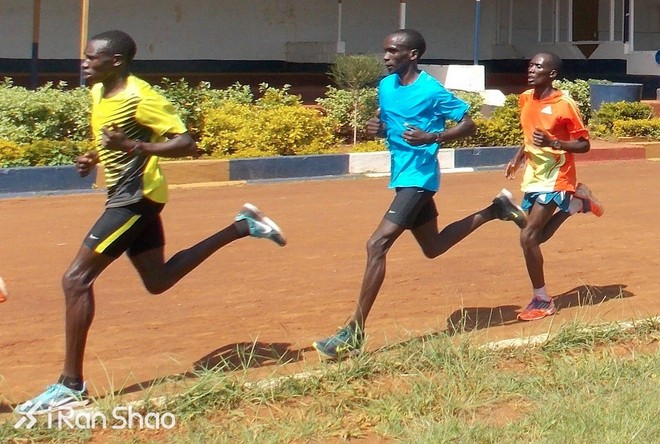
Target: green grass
(583, 385)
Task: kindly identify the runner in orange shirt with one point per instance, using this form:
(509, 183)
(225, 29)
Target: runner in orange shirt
(553, 134)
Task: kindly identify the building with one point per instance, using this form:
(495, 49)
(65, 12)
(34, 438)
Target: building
(293, 41)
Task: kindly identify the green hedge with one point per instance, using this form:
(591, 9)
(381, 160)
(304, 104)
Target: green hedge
(50, 125)
(239, 130)
(48, 113)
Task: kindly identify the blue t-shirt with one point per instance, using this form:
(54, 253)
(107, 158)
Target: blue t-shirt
(425, 104)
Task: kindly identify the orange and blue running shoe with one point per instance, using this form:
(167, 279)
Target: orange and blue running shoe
(589, 203)
(537, 309)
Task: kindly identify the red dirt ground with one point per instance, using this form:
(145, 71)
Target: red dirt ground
(282, 299)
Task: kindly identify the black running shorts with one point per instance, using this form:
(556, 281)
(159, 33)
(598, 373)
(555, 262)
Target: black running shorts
(135, 228)
(412, 207)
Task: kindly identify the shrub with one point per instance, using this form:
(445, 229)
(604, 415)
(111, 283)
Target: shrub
(356, 74)
(241, 130)
(236, 93)
(649, 129)
(340, 105)
(501, 129)
(42, 153)
(579, 91)
(50, 112)
(474, 99)
(603, 120)
(272, 97)
(191, 102)
(55, 152)
(187, 100)
(11, 154)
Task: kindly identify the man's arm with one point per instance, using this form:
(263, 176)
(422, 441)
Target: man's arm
(579, 146)
(514, 163)
(465, 127)
(178, 145)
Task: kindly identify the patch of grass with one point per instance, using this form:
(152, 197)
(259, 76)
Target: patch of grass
(587, 384)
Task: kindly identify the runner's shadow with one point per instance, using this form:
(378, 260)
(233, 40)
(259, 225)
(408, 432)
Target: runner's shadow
(476, 318)
(6, 408)
(244, 355)
(231, 357)
(592, 295)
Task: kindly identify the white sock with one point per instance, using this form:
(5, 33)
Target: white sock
(542, 293)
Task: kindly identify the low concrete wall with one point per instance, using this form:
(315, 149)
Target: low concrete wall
(195, 171)
(65, 178)
(289, 167)
(44, 179)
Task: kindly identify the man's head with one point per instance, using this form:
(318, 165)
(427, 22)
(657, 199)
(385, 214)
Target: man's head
(403, 48)
(543, 68)
(108, 55)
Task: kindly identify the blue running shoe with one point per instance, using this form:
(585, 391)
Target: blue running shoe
(56, 397)
(260, 225)
(347, 342)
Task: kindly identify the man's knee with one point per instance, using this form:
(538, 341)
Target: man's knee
(154, 286)
(377, 246)
(74, 282)
(529, 237)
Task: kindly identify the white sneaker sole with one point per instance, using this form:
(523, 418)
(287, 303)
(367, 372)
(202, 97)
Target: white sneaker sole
(261, 217)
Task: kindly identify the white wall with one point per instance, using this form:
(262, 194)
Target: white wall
(261, 29)
(241, 30)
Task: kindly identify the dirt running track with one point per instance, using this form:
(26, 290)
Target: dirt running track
(282, 299)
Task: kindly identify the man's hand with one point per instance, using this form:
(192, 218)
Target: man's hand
(541, 139)
(511, 168)
(375, 126)
(415, 136)
(114, 138)
(86, 163)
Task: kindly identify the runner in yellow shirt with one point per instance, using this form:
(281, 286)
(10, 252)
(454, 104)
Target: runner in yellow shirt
(133, 125)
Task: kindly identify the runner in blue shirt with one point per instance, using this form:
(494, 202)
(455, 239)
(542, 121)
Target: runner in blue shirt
(414, 107)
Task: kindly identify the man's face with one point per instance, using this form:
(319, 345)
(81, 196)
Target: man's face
(397, 55)
(540, 71)
(98, 64)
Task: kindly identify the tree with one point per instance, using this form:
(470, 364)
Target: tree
(354, 73)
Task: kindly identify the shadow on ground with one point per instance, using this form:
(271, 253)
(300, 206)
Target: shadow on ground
(476, 318)
(231, 357)
(469, 319)
(246, 355)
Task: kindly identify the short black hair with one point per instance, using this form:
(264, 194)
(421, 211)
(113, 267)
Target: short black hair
(413, 40)
(555, 61)
(118, 42)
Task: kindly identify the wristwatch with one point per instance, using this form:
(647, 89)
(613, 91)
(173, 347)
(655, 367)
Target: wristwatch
(556, 144)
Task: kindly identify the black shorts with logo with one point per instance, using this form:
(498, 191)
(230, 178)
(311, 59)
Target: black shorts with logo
(412, 207)
(135, 228)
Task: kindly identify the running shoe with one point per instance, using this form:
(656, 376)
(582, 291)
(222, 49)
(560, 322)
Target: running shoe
(56, 397)
(537, 309)
(590, 203)
(507, 209)
(260, 226)
(346, 343)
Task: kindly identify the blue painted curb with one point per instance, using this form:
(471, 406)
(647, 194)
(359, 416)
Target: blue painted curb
(65, 178)
(289, 167)
(39, 179)
(483, 157)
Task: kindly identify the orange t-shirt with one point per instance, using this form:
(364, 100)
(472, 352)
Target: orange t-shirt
(558, 115)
